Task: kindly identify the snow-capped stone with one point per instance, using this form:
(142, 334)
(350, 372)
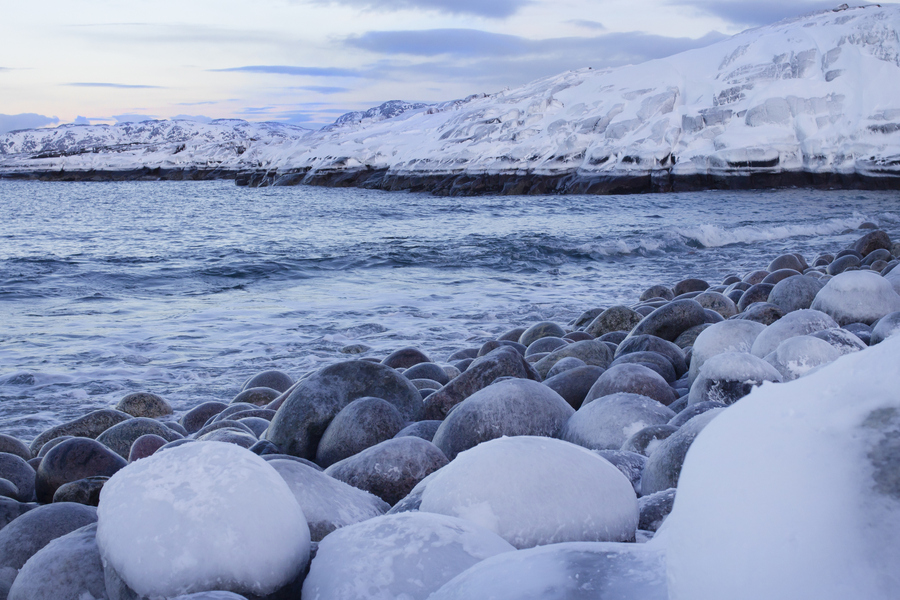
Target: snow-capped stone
(68, 568)
(407, 555)
(857, 297)
(797, 356)
(202, 516)
(727, 336)
(886, 326)
(536, 490)
(606, 423)
(803, 478)
(665, 463)
(799, 322)
(729, 376)
(565, 572)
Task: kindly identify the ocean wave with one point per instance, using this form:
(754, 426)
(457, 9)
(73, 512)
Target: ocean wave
(716, 236)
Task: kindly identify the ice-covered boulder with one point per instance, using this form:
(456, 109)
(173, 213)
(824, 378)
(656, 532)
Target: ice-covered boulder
(796, 356)
(68, 568)
(886, 326)
(606, 423)
(727, 336)
(407, 555)
(799, 322)
(857, 297)
(327, 503)
(202, 516)
(812, 510)
(664, 464)
(569, 571)
(729, 376)
(536, 490)
(24, 536)
(844, 341)
(510, 407)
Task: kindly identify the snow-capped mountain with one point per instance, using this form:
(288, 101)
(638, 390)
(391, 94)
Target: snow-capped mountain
(815, 99)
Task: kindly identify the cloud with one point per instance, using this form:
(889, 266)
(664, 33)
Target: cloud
(79, 120)
(595, 25)
(133, 118)
(434, 42)
(758, 12)
(3, 69)
(123, 86)
(296, 71)
(25, 121)
(198, 118)
(322, 89)
(494, 9)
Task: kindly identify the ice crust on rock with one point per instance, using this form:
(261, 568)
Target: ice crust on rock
(857, 297)
(202, 516)
(729, 376)
(606, 423)
(535, 490)
(407, 555)
(567, 571)
(327, 503)
(797, 356)
(799, 322)
(812, 510)
(726, 336)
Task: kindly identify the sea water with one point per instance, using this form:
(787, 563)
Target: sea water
(185, 289)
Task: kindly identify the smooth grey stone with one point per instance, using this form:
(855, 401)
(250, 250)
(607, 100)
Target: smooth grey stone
(23, 537)
(680, 404)
(545, 344)
(90, 425)
(258, 396)
(425, 384)
(664, 464)
(465, 353)
(264, 448)
(848, 252)
(391, 469)
(657, 291)
(68, 568)
(578, 336)
(717, 302)
(711, 316)
(119, 438)
(427, 370)
(10, 509)
(246, 413)
(144, 404)
(605, 424)
(795, 293)
(823, 260)
(176, 427)
(223, 424)
(232, 410)
(877, 255)
(689, 336)
(506, 408)
(644, 311)
(874, 240)
(12, 445)
(780, 275)
(844, 263)
(177, 443)
(633, 379)
(884, 328)
(786, 261)
(860, 330)
(512, 335)
(615, 318)
(586, 317)
(755, 277)
(359, 425)
(644, 441)
(686, 286)
(420, 429)
(405, 358)
(492, 345)
(83, 491)
(18, 472)
(669, 321)
(539, 330)
(574, 384)
(72, 460)
(502, 362)
(630, 464)
(354, 349)
(231, 436)
(463, 365)
(757, 293)
(196, 418)
(592, 352)
(614, 337)
(302, 419)
(761, 312)
(308, 463)
(652, 360)
(271, 379)
(845, 341)
(692, 410)
(655, 508)
(257, 425)
(570, 362)
(52, 444)
(8, 489)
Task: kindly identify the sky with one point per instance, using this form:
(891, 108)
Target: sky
(306, 62)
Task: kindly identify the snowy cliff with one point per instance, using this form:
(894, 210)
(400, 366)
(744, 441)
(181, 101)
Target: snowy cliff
(813, 100)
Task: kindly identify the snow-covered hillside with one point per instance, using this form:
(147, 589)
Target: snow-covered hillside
(815, 100)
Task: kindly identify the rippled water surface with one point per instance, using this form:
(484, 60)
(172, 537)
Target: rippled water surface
(186, 289)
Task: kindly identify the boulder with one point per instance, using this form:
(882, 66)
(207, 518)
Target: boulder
(119, 438)
(90, 426)
(606, 424)
(144, 404)
(359, 425)
(74, 459)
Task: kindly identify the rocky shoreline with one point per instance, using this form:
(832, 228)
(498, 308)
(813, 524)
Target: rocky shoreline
(475, 184)
(555, 448)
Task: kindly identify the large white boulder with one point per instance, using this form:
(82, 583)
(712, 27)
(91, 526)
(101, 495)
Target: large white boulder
(202, 516)
(857, 297)
(725, 336)
(407, 555)
(536, 490)
(794, 492)
(799, 322)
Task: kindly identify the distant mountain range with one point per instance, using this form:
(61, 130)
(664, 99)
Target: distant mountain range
(813, 101)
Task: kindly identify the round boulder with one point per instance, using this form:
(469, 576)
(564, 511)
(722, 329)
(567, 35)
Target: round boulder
(606, 424)
(144, 404)
(795, 293)
(857, 297)
(74, 459)
(539, 330)
(729, 376)
(18, 472)
(669, 321)
(633, 379)
(270, 379)
(664, 464)
(119, 438)
(194, 419)
(360, 425)
(23, 537)
(796, 356)
(799, 322)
